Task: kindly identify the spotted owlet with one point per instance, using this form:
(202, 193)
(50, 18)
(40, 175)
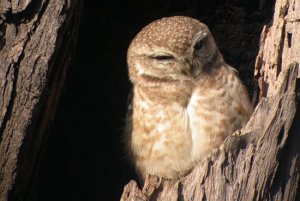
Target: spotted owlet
(186, 100)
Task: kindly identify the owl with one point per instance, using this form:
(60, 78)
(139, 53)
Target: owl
(185, 98)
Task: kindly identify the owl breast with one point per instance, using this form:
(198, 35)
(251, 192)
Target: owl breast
(161, 138)
(169, 139)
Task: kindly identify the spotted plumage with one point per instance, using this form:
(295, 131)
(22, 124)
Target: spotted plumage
(186, 99)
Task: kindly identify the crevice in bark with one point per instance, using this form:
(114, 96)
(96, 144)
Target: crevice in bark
(26, 14)
(12, 97)
(35, 68)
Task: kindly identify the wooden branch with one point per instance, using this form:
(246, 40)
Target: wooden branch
(261, 162)
(36, 43)
(279, 46)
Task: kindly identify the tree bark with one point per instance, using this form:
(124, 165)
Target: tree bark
(37, 40)
(262, 161)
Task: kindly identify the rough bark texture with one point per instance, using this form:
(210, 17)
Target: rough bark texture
(37, 39)
(279, 46)
(261, 162)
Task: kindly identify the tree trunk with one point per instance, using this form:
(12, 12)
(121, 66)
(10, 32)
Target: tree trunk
(37, 39)
(262, 161)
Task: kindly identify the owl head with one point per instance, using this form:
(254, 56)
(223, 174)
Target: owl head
(172, 48)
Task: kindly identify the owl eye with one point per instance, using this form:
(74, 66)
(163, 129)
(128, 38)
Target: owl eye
(163, 57)
(198, 45)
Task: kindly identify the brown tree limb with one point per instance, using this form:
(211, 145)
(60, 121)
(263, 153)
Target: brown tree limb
(279, 45)
(37, 40)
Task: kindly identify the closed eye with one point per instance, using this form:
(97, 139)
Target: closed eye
(163, 57)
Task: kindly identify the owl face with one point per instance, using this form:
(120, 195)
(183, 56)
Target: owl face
(172, 48)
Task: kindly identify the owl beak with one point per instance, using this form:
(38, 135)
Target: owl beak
(192, 68)
(186, 71)
(195, 67)
(195, 70)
